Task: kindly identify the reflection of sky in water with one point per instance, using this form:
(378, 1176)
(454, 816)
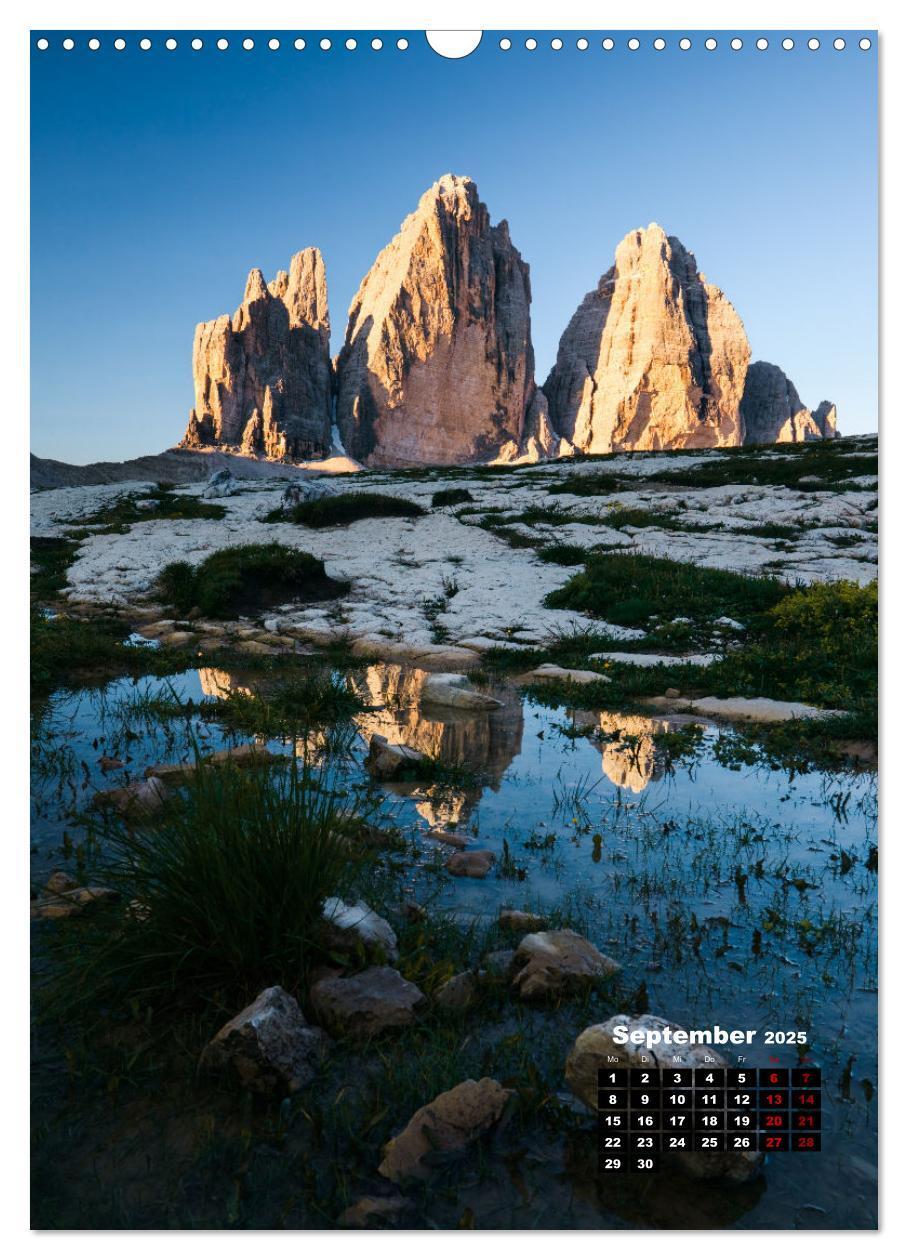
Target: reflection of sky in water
(649, 857)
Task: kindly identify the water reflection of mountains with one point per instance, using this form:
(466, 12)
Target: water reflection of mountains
(486, 741)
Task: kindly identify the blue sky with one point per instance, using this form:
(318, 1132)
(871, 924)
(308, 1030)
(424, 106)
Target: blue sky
(159, 178)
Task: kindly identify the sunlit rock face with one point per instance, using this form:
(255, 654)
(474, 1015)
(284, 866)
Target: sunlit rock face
(630, 757)
(654, 357)
(485, 741)
(263, 377)
(771, 410)
(437, 366)
(219, 684)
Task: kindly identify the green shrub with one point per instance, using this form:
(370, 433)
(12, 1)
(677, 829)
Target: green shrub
(449, 498)
(342, 509)
(245, 579)
(563, 553)
(627, 589)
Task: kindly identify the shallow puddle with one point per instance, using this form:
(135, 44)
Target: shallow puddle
(744, 898)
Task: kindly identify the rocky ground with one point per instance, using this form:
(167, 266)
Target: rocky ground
(471, 574)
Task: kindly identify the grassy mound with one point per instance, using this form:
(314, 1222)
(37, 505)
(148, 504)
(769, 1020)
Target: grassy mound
(449, 498)
(628, 589)
(246, 579)
(342, 509)
(586, 484)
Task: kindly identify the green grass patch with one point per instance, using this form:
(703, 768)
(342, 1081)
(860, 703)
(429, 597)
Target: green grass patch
(343, 509)
(827, 461)
(449, 498)
(629, 589)
(219, 895)
(246, 579)
(161, 505)
(563, 553)
(587, 484)
(50, 559)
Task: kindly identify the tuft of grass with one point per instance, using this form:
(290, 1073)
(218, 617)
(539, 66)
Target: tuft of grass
(563, 553)
(342, 509)
(124, 511)
(292, 707)
(449, 498)
(245, 579)
(218, 897)
(628, 589)
(50, 559)
(587, 484)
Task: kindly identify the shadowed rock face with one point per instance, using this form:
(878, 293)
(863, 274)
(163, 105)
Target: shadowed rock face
(263, 376)
(771, 410)
(437, 365)
(654, 358)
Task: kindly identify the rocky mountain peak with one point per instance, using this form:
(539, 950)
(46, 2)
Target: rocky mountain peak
(437, 365)
(263, 377)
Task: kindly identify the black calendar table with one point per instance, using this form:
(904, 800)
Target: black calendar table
(645, 1112)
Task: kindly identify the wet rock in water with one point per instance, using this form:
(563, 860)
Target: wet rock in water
(757, 709)
(60, 882)
(459, 992)
(268, 1047)
(596, 1048)
(453, 838)
(444, 1128)
(475, 863)
(390, 761)
(548, 964)
(454, 691)
(144, 796)
(372, 1211)
(242, 755)
(177, 639)
(498, 964)
(555, 673)
(363, 1005)
(520, 921)
(108, 764)
(356, 927)
(67, 899)
(413, 912)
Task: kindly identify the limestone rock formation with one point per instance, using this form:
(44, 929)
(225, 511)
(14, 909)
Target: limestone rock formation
(437, 366)
(771, 410)
(654, 358)
(263, 378)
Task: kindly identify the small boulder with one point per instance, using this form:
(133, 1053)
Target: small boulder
(372, 1212)
(520, 921)
(452, 838)
(357, 927)
(363, 1005)
(454, 691)
(144, 796)
(391, 761)
(444, 1128)
(219, 485)
(556, 673)
(597, 1048)
(498, 964)
(548, 964)
(474, 863)
(269, 1047)
(459, 992)
(68, 900)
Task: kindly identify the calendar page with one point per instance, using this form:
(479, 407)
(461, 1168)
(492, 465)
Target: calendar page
(453, 628)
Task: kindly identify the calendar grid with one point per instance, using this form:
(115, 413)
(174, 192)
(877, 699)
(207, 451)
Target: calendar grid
(648, 1112)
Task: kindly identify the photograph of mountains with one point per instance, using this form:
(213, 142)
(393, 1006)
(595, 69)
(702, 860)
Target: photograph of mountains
(454, 663)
